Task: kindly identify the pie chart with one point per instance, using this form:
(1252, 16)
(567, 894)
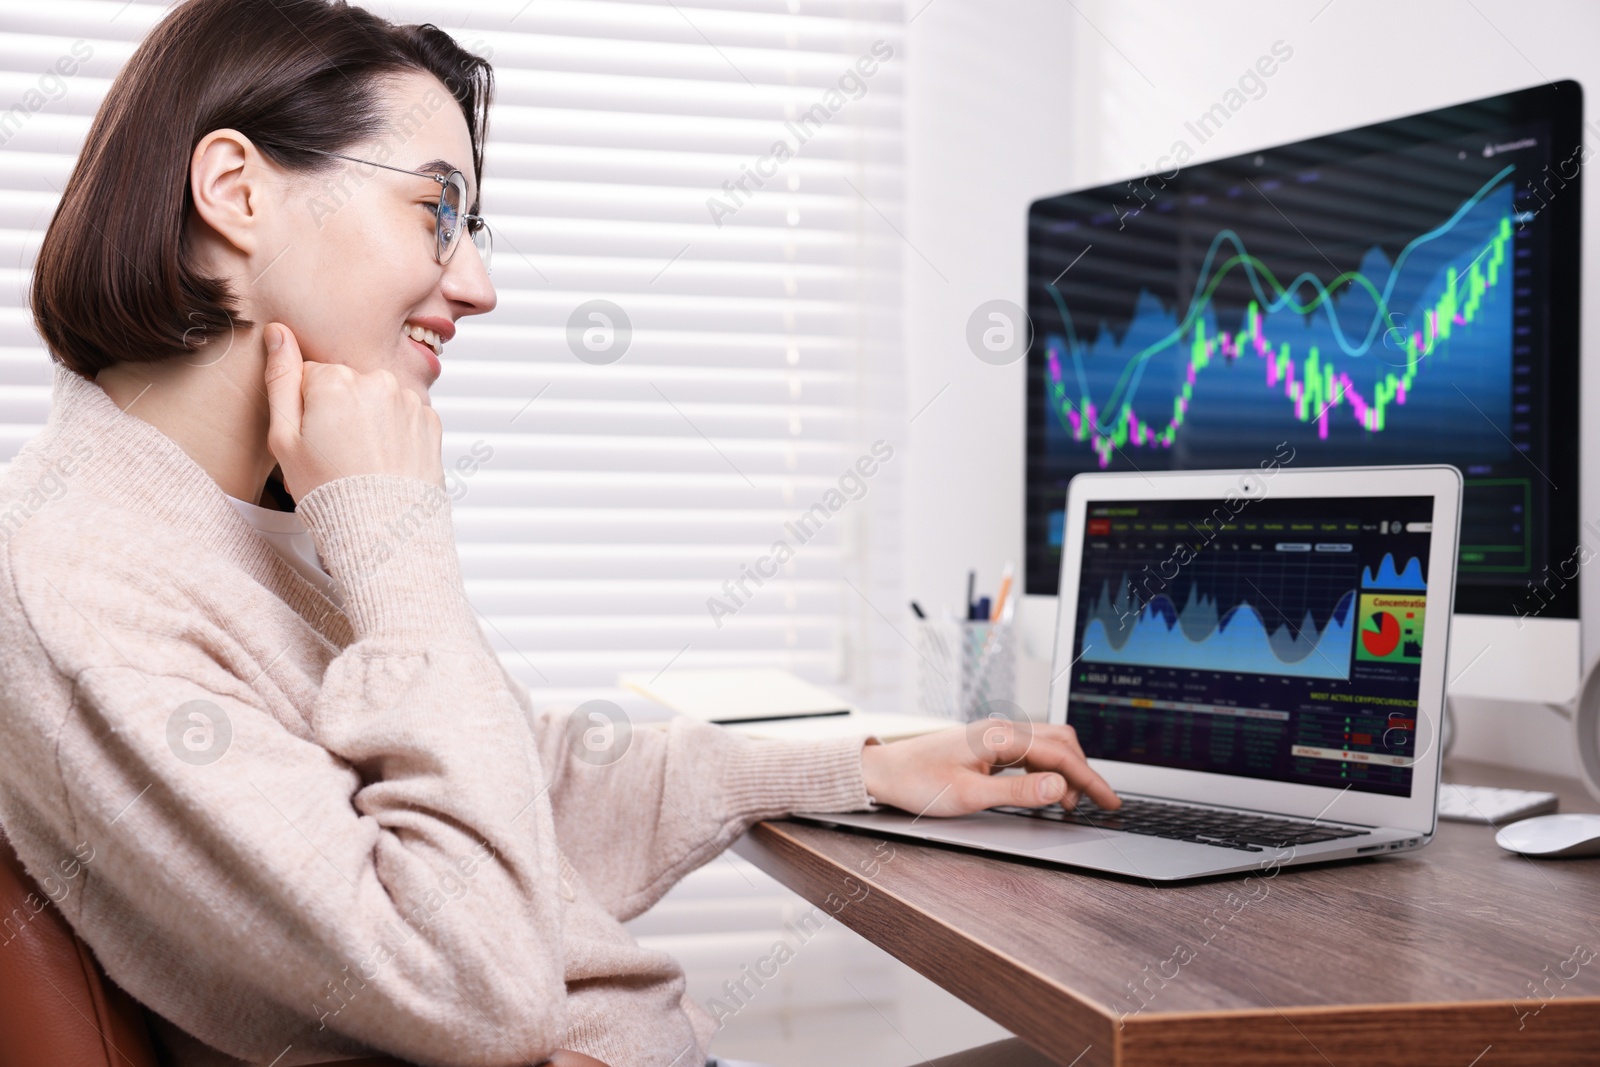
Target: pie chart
(1380, 634)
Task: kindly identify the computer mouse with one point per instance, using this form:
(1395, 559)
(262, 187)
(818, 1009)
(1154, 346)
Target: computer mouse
(1549, 836)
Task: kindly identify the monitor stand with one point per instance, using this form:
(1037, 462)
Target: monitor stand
(1505, 676)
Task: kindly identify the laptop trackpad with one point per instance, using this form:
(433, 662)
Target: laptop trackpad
(1137, 855)
(1012, 833)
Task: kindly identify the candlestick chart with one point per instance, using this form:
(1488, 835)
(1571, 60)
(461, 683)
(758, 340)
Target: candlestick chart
(1385, 357)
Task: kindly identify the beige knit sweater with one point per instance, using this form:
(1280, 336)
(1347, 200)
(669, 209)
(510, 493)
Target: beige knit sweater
(298, 829)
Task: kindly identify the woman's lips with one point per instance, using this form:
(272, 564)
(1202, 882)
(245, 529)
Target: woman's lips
(433, 360)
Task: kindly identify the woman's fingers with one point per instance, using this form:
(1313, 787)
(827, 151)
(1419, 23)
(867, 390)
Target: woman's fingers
(283, 375)
(1058, 748)
(1040, 749)
(328, 420)
(1019, 790)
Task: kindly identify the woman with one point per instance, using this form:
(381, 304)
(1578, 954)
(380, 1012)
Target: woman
(314, 815)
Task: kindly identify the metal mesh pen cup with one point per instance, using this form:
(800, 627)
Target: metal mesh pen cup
(963, 666)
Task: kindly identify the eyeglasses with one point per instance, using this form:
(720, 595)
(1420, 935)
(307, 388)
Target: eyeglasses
(449, 217)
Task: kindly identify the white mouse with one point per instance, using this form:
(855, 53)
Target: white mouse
(1552, 835)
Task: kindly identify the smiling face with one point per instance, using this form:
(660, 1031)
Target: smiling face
(357, 279)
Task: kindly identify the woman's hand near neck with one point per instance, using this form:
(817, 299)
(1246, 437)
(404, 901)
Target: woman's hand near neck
(355, 283)
(213, 406)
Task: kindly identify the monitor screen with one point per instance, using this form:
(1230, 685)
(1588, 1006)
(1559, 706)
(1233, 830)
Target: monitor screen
(1282, 643)
(1400, 293)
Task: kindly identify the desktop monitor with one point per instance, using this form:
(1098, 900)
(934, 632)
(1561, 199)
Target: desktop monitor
(1405, 292)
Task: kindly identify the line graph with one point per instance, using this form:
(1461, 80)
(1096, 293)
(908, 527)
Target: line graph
(1348, 355)
(1235, 639)
(1387, 576)
(1284, 614)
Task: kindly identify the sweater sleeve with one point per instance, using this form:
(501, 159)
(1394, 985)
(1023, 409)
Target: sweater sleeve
(382, 865)
(685, 793)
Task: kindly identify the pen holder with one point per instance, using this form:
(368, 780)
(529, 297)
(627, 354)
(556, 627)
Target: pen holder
(963, 666)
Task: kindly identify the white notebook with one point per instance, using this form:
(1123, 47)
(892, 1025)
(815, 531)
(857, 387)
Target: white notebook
(771, 703)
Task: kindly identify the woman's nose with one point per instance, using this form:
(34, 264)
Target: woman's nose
(466, 281)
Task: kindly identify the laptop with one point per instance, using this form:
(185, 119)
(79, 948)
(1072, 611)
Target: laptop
(1255, 661)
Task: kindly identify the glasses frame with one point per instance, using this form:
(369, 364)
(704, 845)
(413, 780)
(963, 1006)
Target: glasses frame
(471, 224)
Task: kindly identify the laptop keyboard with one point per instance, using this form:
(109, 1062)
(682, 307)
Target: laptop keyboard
(1204, 826)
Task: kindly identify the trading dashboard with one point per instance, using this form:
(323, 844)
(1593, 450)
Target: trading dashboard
(1283, 642)
(1401, 293)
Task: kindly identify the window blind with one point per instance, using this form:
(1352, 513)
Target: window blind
(697, 340)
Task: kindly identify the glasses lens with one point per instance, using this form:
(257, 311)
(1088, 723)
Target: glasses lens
(452, 195)
(482, 238)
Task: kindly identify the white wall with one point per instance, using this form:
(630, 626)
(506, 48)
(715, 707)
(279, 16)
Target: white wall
(1012, 99)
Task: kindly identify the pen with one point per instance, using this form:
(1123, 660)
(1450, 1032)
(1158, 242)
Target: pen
(1005, 587)
(972, 584)
(918, 609)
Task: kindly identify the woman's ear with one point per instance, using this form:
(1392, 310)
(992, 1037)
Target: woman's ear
(226, 181)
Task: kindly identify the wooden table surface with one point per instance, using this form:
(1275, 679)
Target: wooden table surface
(1459, 954)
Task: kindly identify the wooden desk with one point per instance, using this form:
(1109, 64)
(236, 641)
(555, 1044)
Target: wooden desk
(1459, 955)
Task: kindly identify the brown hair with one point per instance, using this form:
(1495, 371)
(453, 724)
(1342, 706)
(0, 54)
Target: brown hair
(112, 282)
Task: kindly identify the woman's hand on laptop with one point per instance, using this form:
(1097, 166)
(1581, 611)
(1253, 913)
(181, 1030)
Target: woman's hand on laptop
(952, 772)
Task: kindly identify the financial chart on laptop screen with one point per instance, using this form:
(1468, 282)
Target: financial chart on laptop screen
(1282, 641)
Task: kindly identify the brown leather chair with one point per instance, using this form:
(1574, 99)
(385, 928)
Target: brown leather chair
(58, 1008)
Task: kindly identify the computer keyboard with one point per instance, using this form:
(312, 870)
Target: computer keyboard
(1205, 826)
(1481, 803)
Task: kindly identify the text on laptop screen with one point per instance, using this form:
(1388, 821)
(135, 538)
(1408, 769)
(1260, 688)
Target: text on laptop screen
(1281, 642)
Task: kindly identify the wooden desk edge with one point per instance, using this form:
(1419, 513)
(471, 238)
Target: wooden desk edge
(1563, 1030)
(958, 964)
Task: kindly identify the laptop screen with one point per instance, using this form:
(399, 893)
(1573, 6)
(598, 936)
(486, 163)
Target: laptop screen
(1280, 641)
